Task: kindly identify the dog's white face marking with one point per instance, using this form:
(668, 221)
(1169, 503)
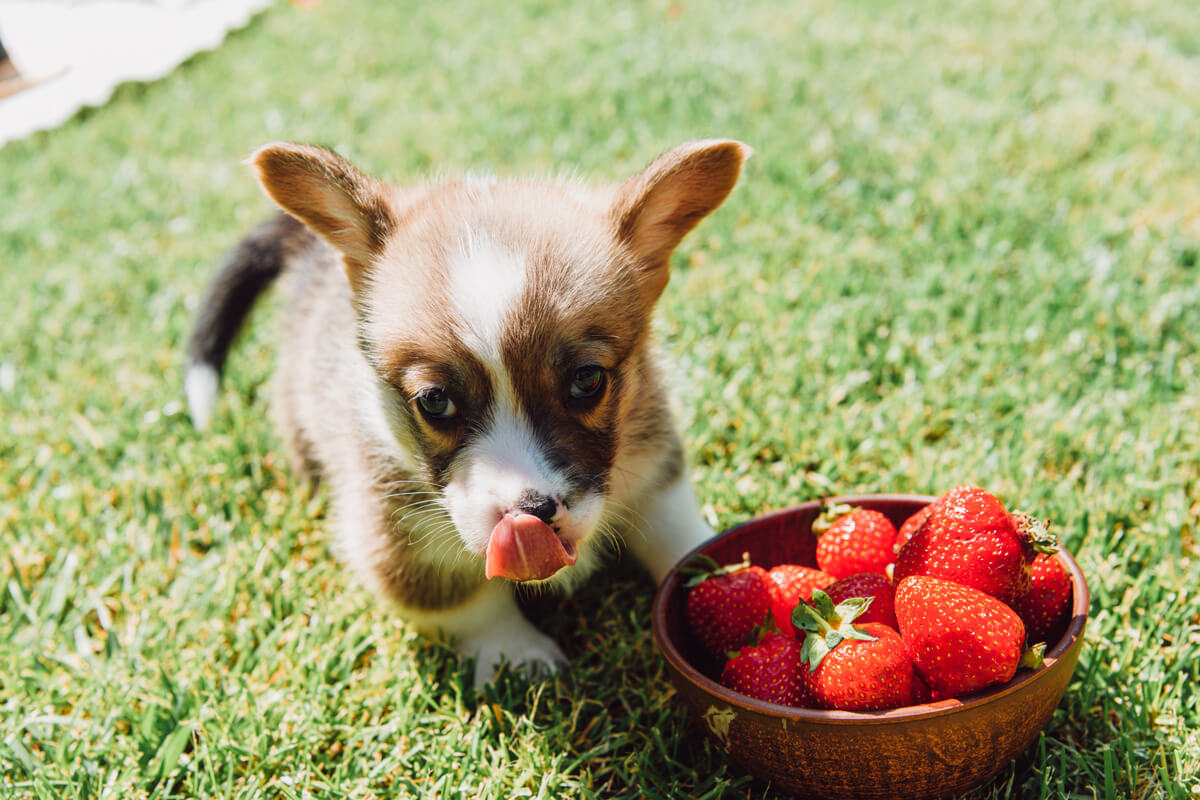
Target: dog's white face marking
(486, 284)
(504, 461)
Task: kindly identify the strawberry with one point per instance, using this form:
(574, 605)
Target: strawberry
(853, 540)
(769, 671)
(971, 539)
(910, 526)
(726, 604)
(959, 638)
(868, 584)
(1044, 607)
(792, 583)
(921, 691)
(852, 667)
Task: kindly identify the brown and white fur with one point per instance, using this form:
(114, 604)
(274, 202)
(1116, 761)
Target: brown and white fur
(499, 305)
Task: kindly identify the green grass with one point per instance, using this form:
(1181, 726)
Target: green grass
(967, 249)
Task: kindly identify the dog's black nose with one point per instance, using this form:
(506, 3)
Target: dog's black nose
(539, 505)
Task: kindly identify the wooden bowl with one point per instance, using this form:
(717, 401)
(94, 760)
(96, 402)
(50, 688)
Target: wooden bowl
(931, 750)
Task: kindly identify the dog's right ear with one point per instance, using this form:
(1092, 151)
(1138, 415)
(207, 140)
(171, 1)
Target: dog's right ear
(326, 193)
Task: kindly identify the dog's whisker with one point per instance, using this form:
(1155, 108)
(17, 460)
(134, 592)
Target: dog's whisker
(400, 495)
(435, 534)
(433, 538)
(430, 527)
(635, 522)
(428, 507)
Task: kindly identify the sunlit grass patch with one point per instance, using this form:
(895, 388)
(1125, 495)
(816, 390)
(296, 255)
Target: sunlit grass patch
(966, 250)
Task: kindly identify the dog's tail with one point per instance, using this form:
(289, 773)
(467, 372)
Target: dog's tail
(246, 273)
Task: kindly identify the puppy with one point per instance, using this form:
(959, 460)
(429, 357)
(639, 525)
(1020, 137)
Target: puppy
(468, 366)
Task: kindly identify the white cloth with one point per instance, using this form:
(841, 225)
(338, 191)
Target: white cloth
(76, 53)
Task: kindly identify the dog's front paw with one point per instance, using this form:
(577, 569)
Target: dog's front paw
(521, 645)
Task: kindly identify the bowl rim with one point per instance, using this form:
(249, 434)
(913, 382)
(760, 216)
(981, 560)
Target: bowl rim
(671, 583)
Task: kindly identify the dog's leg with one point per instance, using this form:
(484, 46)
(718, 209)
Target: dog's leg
(491, 628)
(674, 526)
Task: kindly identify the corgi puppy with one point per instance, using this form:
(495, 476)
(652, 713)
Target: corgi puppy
(469, 367)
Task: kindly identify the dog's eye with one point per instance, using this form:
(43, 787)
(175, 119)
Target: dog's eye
(588, 382)
(436, 404)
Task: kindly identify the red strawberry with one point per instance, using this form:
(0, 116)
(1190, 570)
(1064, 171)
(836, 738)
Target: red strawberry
(868, 584)
(959, 638)
(1044, 607)
(921, 691)
(769, 671)
(853, 540)
(726, 604)
(792, 583)
(852, 667)
(969, 538)
(910, 527)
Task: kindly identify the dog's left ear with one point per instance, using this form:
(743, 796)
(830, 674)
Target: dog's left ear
(655, 209)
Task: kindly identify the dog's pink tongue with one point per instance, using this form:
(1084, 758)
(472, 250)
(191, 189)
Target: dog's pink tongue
(523, 548)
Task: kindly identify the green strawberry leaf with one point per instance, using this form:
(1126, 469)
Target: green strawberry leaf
(813, 651)
(830, 515)
(702, 561)
(858, 633)
(827, 626)
(824, 604)
(852, 608)
(807, 618)
(1033, 656)
(762, 629)
(707, 567)
(1034, 532)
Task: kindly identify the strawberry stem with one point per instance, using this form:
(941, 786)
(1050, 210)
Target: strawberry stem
(1033, 657)
(829, 515)
(707, 567)
(1034, 532)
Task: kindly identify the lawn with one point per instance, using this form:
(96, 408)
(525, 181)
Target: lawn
(968, 249)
